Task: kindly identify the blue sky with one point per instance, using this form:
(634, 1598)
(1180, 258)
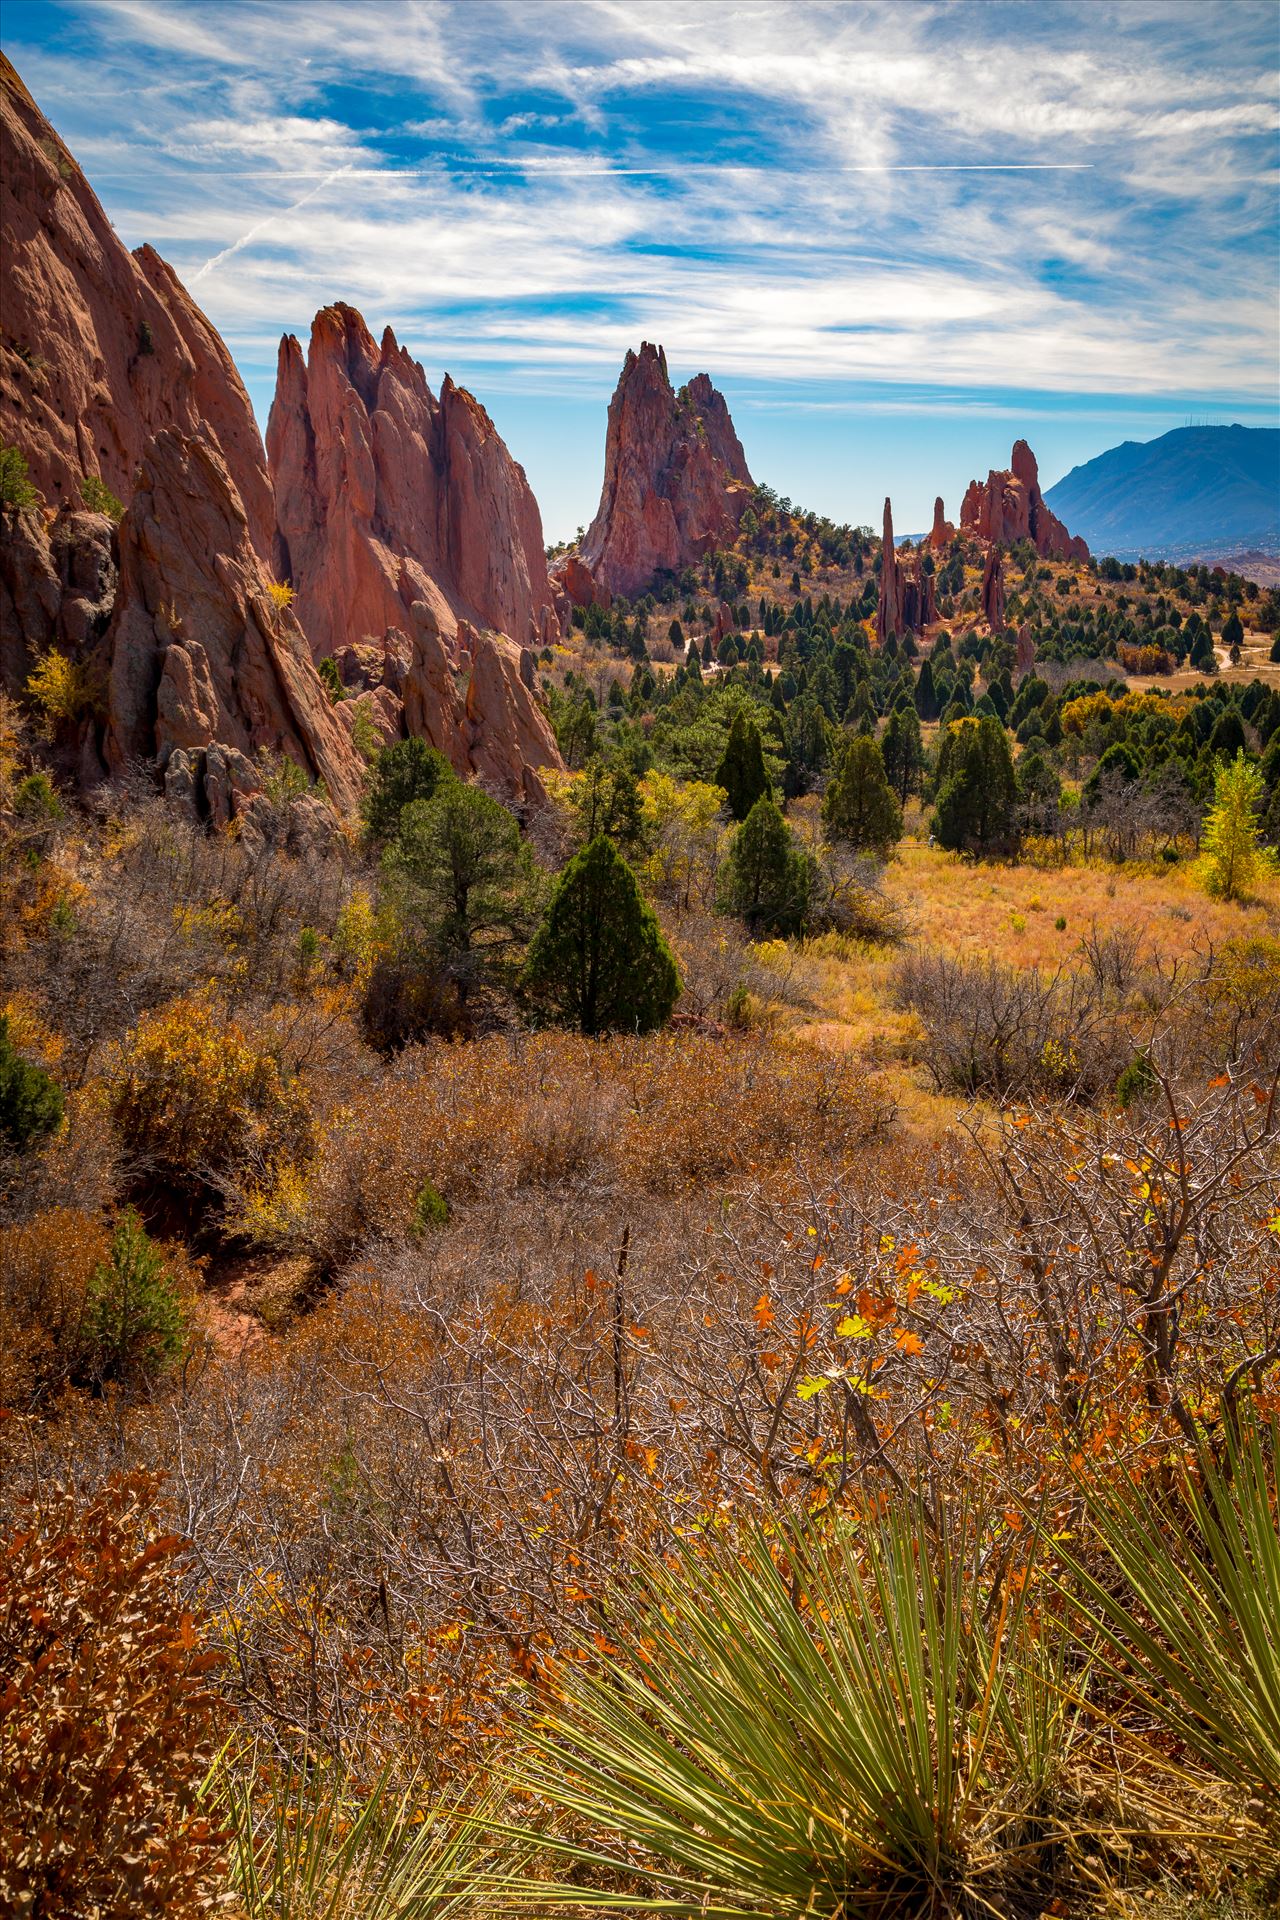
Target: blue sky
(897, 235)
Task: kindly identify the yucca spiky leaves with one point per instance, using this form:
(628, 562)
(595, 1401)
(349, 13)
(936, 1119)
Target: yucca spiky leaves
(793, 1728)
(307, 1843)
(1192, 1625)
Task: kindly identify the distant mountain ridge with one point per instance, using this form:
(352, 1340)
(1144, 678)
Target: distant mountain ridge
(1193, 491)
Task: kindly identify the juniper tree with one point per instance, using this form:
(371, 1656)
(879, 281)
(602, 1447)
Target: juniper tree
(741, 771)
(768, 880)
(977, 788)
(903, 750)
(599, 960)
(858, 806)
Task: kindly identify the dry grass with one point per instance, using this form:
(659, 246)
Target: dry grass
(836, 994)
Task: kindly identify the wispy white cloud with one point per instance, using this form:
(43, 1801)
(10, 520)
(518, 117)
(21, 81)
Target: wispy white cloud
(1078, 199)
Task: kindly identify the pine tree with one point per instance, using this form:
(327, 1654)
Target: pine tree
(407, 770)
(977, 788)
(31, 1102)
(903, 750)
(768, 880)
(741, 771)
(858, 806)
(464, 880)
(926, 694)
(599, 959)
(1235, 860)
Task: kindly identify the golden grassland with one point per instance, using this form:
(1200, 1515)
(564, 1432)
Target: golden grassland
(837, 993)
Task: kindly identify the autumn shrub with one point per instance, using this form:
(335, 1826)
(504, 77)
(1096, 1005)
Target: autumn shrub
(648, 1114)
(46, 1266)
(63, 692)
(106, 1714)
(199, 1102)
(995, 1030)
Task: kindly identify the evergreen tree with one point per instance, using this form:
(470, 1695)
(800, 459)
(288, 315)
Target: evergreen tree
(606, 800)
(464, 881)
(1235, 860)
(1228, 735)
(858, 806)
(133, 1325)
(1233, 635)
(926, 694)
(903, 750)
(977, 788)
(31, 1102)
(741, 771)
(768, 880)
(406, 771)
(599, 958)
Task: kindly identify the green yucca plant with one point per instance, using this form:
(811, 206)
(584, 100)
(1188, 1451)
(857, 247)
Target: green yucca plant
(305, 1843)
(795, 1728)
(1192, 1626)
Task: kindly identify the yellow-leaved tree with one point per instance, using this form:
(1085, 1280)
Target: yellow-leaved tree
(1235, 861)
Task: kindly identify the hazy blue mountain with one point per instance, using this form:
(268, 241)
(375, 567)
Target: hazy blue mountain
(1193, 490)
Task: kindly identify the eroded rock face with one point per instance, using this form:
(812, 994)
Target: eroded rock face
(942, 532)
(198, 657)
(574, 578)
(675, 477)
(908, 600)
(57, 587)
(993, 589)
(1010, 507)
(1026, 655)
(409, 535)
(100, 348)
(889, 607)
(386, 495)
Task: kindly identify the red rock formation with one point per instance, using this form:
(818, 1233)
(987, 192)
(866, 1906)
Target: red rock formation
(942, 532)
(571, 574)
(407, 530)
(57, 587)
(1010, 507)
(675, 477)
(889, 607)
(101, 348)
(993, 589)
(1026, 656)
(386, 495)
(919, 596)
(198, 656)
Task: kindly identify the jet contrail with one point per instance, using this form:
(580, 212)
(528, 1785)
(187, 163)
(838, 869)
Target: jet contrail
(261, 225)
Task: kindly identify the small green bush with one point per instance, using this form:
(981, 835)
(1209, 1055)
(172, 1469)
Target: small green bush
(16, 489)
(36, 800)
(1137, 1082)
(331, 680)
(31, 1102)
(99, 498)
(134, 1327)
(430, 1210)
